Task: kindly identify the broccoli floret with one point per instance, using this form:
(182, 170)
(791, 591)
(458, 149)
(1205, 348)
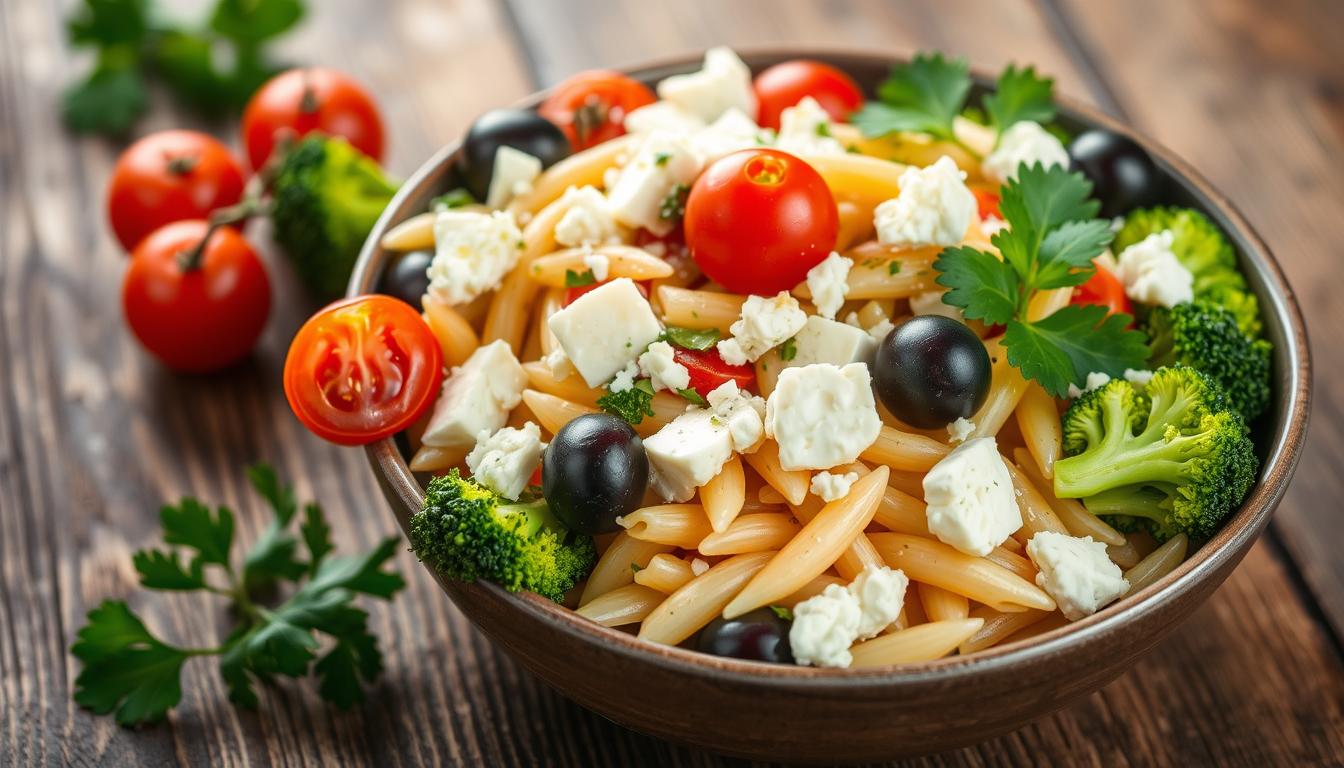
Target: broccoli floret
(467, 532)
(1203, 335)
(1202, 249)
(325, 198)
(1178, 455)
(1119, 508)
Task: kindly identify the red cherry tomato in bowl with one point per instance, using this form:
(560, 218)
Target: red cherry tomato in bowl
(785, 84)
(986, 202)
(196, 316)
(757, 220)
(170, 176)
(590, 107)
(1104, 288)
(301, 101)
(708, 370)
(362, 369)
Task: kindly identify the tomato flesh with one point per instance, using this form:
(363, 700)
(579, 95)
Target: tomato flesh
(986, 202)
(785, 84)
(591, 106)
(362, 369)
(1104, 288)
(708, 370)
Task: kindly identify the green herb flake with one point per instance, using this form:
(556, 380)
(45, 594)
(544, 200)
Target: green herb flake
(691, 396)
(823, 130)
(692, 338)
(661, 159)
(673, 206)
(579, 279)
(788, 350)
(782, 612)
(636, 567)
(454, 198)
(894, 267)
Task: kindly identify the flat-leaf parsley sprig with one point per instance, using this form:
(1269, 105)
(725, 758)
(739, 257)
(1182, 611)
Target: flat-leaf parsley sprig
(130, 672)
(1051, 239)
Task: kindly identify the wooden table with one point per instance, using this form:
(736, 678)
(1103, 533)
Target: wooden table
(93, 435)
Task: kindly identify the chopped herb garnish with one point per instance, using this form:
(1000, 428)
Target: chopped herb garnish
(632, 405)
(894, 267)
(788, 350)
(579, 279)
(692, 338)
(636, 567)
(455, 198)
(782, 612)
(692, 396)
(661, 159)
(824, 130)
(674, 205)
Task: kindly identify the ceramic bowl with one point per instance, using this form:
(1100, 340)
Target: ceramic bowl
(765, 711)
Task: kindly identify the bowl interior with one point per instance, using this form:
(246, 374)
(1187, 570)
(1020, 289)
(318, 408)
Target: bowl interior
(1278, 434)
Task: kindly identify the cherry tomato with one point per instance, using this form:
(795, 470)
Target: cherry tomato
(196, 316)
(757, 220)
(708, 370)
(311, 99)
(590, 107)
(362, 369)
(1104, 288)
(786, 83)
(573, 294)
(169, 176)
(986, 202)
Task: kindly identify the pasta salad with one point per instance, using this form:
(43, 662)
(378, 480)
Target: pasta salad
(769, 369)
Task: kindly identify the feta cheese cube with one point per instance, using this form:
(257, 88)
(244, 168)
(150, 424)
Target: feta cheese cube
(971, 504)
(605, 329)
(472, 253)
(881, 595)
(662, 116)
(827, 282)
(1095, 380)
(959, 430)
(822, 415)
(513, 174)
(505, 460)
(1024, 142)
(722, 83)
(1138, 377)
(764, 324)
(1152, 274)
(664, 372)
(558, 364)
(1076, 573)
(624, 380)
(663, 162)
(826, 341)
(741, 412)
(828, 487)
(732, 131)
(588, 221)
(687, 453)
(824, 626)
(934, 207)
(477, 397)
(805, 129)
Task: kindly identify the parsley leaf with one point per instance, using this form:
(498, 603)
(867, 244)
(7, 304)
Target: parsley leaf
(1066, 254)
(1071, 343)
(691, 396)
(984, 287)
(1020, 95)
(272, 557)
(632, 404)
(126, 669)
(579, 279)
(253, 21)
(163, 570)
(924, 95)
(109, 101)
(692, 338)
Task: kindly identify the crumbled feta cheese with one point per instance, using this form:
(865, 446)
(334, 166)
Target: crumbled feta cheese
(513, 174)
(662, 368)
(662, 116)
(624, 380)
(1095, 380)
(1152, 274)
(931, 303)
(880, 330)
(558, 363)
(687, 453)
(472, 253)
(605, 329)
(588, 221)
(732, 131)
(824, 626)
(598, 264)
(722, 83)
(959, 430)
(505, 460)
(992, 225)
(1024, 142)
(971, 504)
(934, 207)
(881, 595)
(764, 324)
(805, 129)
(828, 284)
(741, 412)
(1138, 377)
(828, 486)
(1075, 572)
(822, 415)
(826, 341)
(477, 397)
(698, 566)
(664, 160)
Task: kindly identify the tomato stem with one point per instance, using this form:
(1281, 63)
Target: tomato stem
(308, 102)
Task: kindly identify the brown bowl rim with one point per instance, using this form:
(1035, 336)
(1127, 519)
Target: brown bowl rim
(1231, 541)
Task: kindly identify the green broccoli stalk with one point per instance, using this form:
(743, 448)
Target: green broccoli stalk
(468, 532)
(1177, 455)
(1201, 248)
(325, 198)
(1203, 335)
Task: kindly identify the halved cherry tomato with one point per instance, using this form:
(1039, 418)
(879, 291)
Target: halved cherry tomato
(708, 370)
(986, 202)
(572, 294)
(757, 220)
(1104, 288)
(170, 176)
(362, 369)
(311, 99)
(785, 84)
(590, 107)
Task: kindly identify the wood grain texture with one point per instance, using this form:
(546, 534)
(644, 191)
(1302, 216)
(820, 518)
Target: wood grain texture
(93, 436)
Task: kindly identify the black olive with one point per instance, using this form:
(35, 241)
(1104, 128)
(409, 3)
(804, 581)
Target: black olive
(407, 278)
(522, 129)
(930, 370)
(759, 635)
(1122, 174)
(594, 471)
